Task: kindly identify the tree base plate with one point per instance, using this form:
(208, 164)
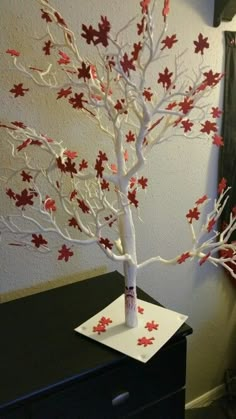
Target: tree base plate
(155, 327)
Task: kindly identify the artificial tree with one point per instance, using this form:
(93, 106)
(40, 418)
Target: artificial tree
(86, 202)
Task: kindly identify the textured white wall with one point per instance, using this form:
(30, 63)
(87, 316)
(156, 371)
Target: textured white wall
(178, 173)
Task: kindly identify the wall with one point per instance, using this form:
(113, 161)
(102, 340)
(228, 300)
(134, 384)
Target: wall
(179, 172)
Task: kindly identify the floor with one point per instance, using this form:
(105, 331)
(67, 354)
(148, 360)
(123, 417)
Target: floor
(220, 409)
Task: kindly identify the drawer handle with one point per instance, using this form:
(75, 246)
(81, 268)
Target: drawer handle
(120, 398)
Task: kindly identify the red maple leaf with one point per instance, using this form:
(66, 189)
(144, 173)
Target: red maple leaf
(145, 341)
(165, 78)
(193, 214)
(38, 240)
(102, 156)
(73, 194)
(83, 206)
(119, 106)
(105, 321)
(132, 198)
(70, 167)
(211, 224)
(216, 112)
(65, 253)
(26, 177)
(10, 193)
(211, 79)
(25, 198)
(77, 102)
(47, 47)
(83, 165)
(19, 124)
(150, 326)
(71, 154)
(217, 140)
(144, 5)
(140, 310)
(200, 44)
(148, 94)
(106, 243)
(222, 185)
(18, 90)
(130, 137)
(59, 19)
(24, 144)
(166, 9)
(45, 16)
(186, 105)
(137, 48)
(88, 34)
(99, 168)
(100, 328)
(183, 257)
(127, 64)
(84, 72)
(143, 182)
(169, 41)
(208, 127)
(49, 204)
(201, 200)
(72, 222)
(105, 185)
(187, 125)
(141, 26)
(204, 258)
(60, 164)
(13, 52)
(102, 34)
(171, 106)
(65, 59)
(64, 93)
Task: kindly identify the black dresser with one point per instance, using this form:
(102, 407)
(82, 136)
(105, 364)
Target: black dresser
(48, 371)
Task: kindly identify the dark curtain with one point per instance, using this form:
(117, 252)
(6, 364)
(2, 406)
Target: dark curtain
(227, 158)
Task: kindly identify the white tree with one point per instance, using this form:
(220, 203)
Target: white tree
(86, 202)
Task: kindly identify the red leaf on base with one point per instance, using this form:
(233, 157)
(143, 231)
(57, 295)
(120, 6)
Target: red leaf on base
(65, 253)
(145, 341)
(105, 321)
(100, 328)
(151, 326)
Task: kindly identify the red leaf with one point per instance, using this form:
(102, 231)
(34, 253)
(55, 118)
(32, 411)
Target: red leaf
(45, 16)
(65, 59)
(204, 258)
(18, 90)
(208, 126)
(217, 140)
(119, 106)
(183, 257)
(105, 185)
(26, 177)
(73, 194)
(193, 214)
(222, 185)
(200, 44)
(71, 154)
(140, 310)
(132, 198)
(211, 79)
(102, 156)
(130, 137)
(136, 50)
(211, 224)
(84, 72)
(60, 164)
(99, 168)
(47, 47)
(77, 101)
(165, 78)
(169, 41)
(38, 240)
(64, 93)
(187, 125)
(10, 193)
(216, 112)
(13, 52)
(166, 9)
(72, 222)
(65, 253)
(127, 64)
(144, 5)
(100, 328)
(141, 26)
(49, 204)
(59, 19)
(186, 105)
(24, 144)
(25, 198)
(105, 321)
(70, 167)
(145, 341)
(143, 182)
(150, 326)
(148, 94)
(89, 33)
(19, 124)
(83, 165)
(106, 243)
(83, 206)
(201, 200)
(171, 106)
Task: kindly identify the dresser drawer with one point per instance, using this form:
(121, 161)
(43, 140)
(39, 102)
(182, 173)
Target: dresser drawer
(118, 391)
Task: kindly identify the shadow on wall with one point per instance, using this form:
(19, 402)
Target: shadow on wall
(205, 9)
